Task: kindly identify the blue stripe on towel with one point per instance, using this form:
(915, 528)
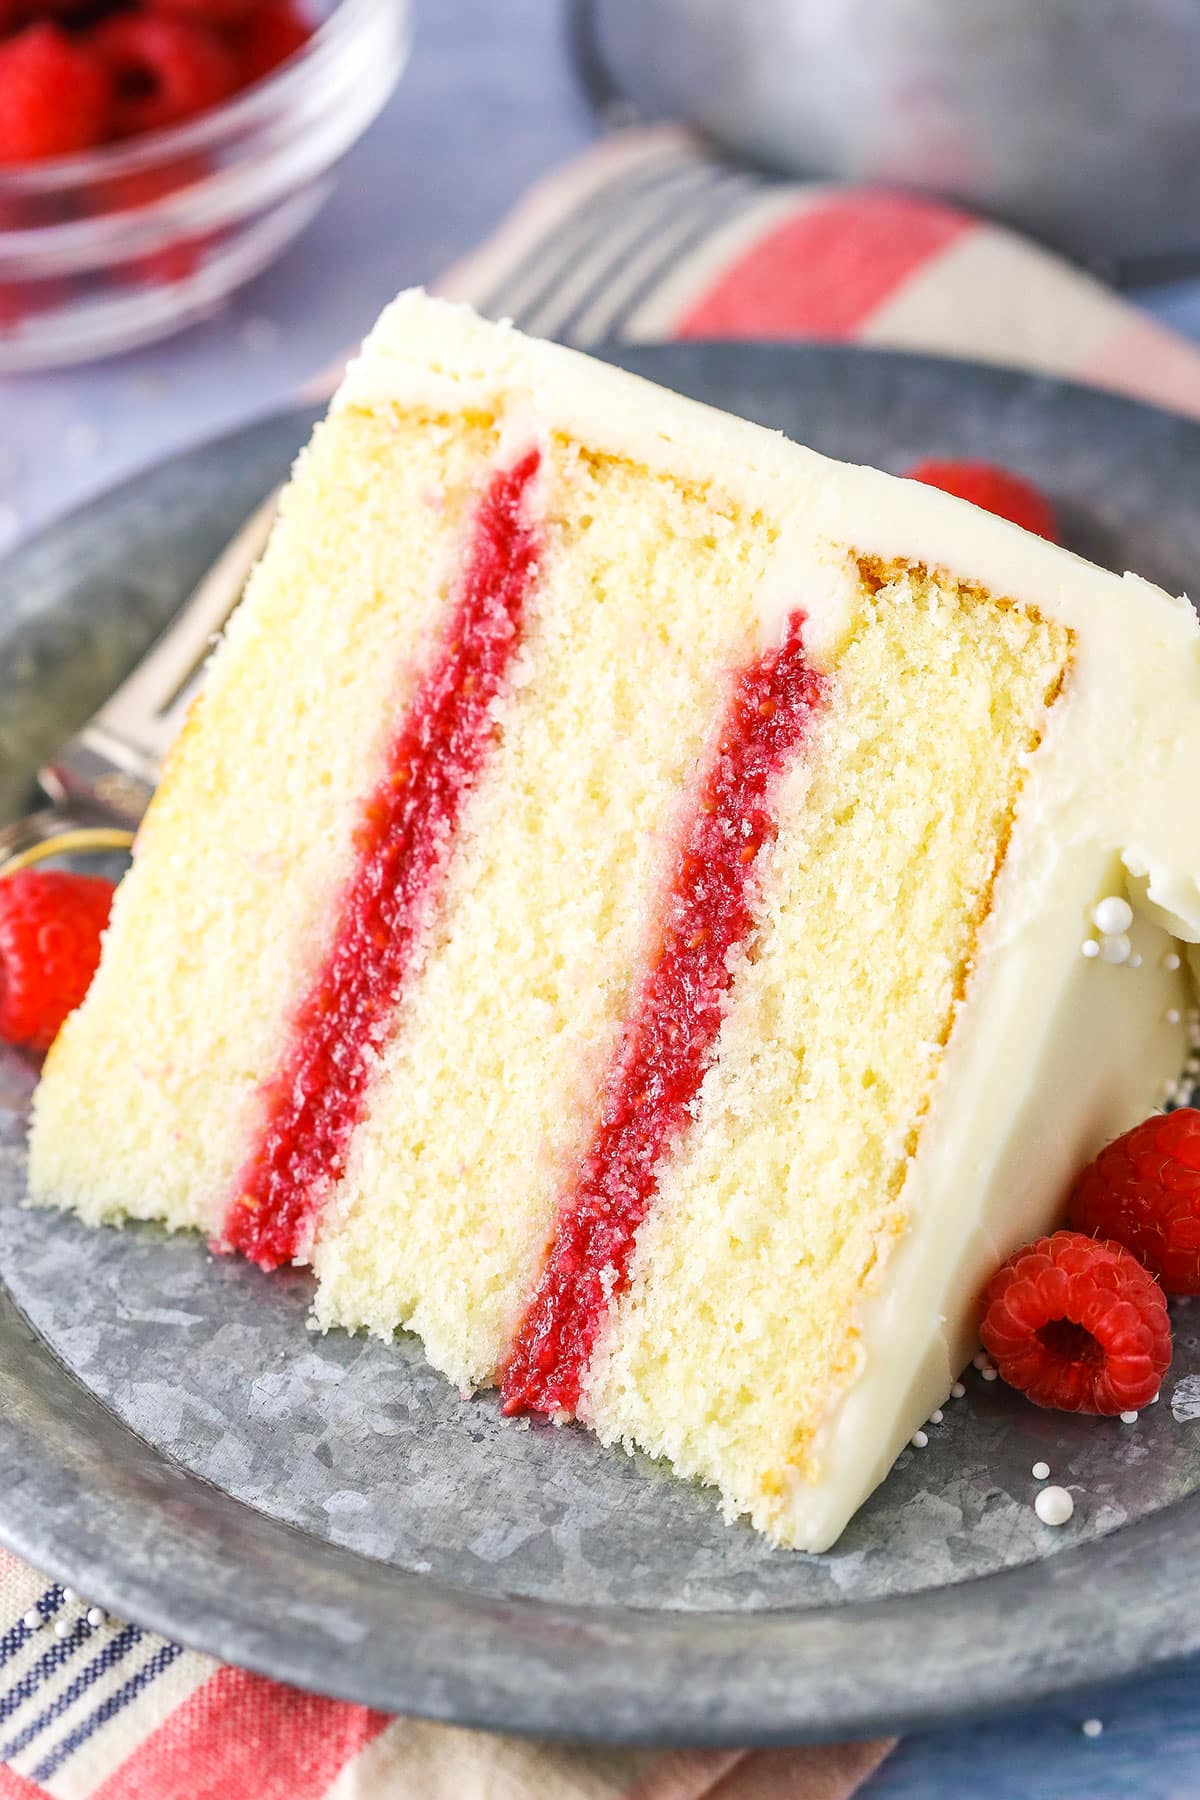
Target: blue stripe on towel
(54, 1658)
(162, 1659)
(113, 1651)
(18, 1635)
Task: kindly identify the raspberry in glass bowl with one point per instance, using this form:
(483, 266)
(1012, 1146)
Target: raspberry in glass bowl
(200, 137)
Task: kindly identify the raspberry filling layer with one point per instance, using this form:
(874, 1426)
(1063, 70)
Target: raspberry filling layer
(403, 844)
(669, 1039)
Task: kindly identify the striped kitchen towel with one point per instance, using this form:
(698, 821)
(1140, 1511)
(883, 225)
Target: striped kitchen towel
(92, 1708)
(647, 236)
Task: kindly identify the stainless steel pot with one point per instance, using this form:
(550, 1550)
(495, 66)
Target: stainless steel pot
(1078, 120)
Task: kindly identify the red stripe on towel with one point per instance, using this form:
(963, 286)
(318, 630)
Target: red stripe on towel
(16, 1787)
(241, 1735)
(824, 272)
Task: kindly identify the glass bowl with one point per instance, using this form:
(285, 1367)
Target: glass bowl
(111, 249)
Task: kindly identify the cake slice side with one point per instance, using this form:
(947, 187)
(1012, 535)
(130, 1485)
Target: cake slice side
(743, 1327)
(486, 1094)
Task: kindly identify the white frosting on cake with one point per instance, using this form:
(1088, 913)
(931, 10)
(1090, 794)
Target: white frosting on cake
(1051, 1052)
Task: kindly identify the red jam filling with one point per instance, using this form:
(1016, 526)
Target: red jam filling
(403, 844)
(669, 1040)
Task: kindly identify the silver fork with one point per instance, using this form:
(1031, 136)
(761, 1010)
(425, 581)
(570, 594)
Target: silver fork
(101, 780)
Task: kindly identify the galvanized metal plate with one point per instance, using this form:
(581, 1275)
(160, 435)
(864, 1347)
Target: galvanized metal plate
(328, 1510)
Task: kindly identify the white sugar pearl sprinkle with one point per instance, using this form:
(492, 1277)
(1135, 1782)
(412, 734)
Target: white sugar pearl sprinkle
(1172, 1015)
(1115, 948)
(1129, 1418)
(1170, 962)
(1090, 947)
(1091, 1728)
(1054, 1506)
(1135, 961)
(919, 1440)
(936, 1416)
(1112, 915)
(32, 1620)
(990, 1374)
(981, 1359)
(96, 1616)
(1040, 1471)
(69, 1596)
(957, 1391)
(61, 1627)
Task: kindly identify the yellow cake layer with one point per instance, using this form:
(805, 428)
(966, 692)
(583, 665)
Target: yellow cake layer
(738, 1329)
(646, 599)
(231, 903)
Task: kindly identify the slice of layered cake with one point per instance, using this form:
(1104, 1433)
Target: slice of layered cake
(623, 910)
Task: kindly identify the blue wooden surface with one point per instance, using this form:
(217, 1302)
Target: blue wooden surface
(488, 104)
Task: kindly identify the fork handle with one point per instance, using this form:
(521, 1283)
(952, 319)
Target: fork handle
(55, 833)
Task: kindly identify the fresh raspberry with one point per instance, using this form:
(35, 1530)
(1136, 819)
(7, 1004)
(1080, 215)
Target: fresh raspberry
(275, 32)
(131, 188)
(1078, 1324)
(50, 925)
(996, 490)
(162, 70)
(22, 300)
(1143, 1191)
(178, 258)
(204, 12)
(54, 98)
